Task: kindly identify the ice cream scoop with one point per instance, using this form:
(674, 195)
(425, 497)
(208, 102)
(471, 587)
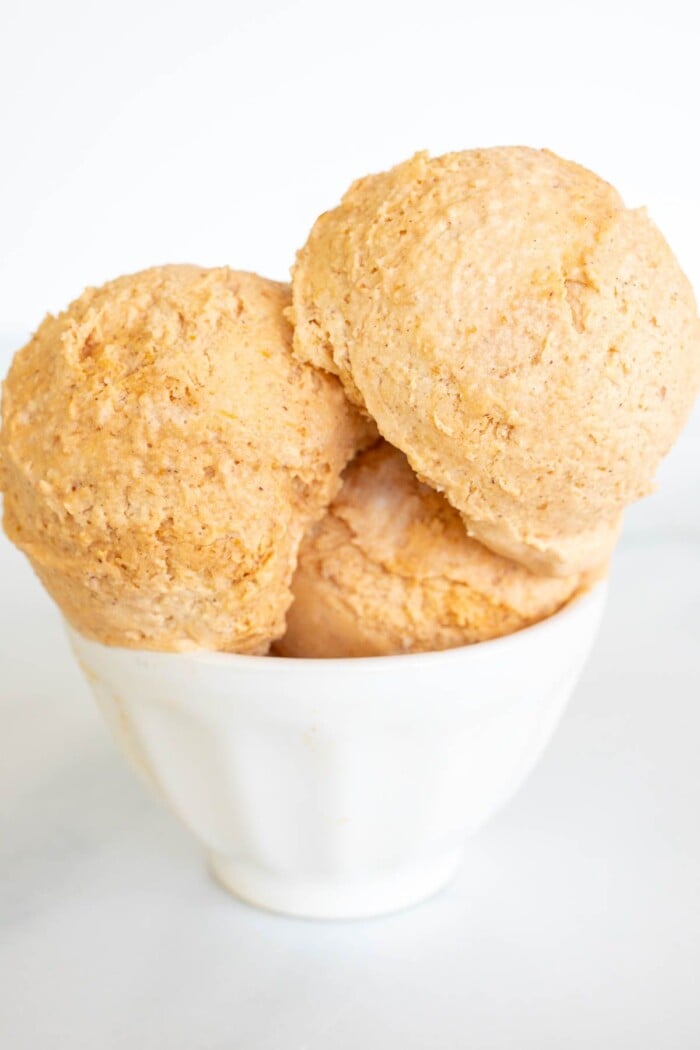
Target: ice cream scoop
(390, 569)
(162, 455)
(530, 343)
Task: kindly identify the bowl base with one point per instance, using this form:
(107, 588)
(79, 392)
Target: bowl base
(361, 897)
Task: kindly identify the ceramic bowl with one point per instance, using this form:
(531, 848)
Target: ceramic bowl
(341, 788)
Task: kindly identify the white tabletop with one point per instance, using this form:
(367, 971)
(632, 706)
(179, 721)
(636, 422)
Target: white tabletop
(575, 921)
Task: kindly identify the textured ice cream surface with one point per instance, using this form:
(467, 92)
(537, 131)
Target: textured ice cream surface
(390, 569)
(531, 344)
(162, 454)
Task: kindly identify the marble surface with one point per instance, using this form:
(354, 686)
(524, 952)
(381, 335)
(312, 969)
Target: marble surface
(575, 920)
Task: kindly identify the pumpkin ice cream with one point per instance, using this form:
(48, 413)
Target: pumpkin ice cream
(531, 344)
(390, 569)
(162, 455)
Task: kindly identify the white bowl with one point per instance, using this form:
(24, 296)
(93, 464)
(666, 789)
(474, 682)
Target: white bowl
(341, 788)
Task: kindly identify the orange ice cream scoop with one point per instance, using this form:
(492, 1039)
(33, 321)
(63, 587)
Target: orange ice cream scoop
(390, 569)
(163, 453)
(527, 341)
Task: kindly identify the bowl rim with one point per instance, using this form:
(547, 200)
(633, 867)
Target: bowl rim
(590, 600)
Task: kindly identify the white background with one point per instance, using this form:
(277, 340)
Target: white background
(141, 133)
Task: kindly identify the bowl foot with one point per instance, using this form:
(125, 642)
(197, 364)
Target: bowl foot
(363, 896)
